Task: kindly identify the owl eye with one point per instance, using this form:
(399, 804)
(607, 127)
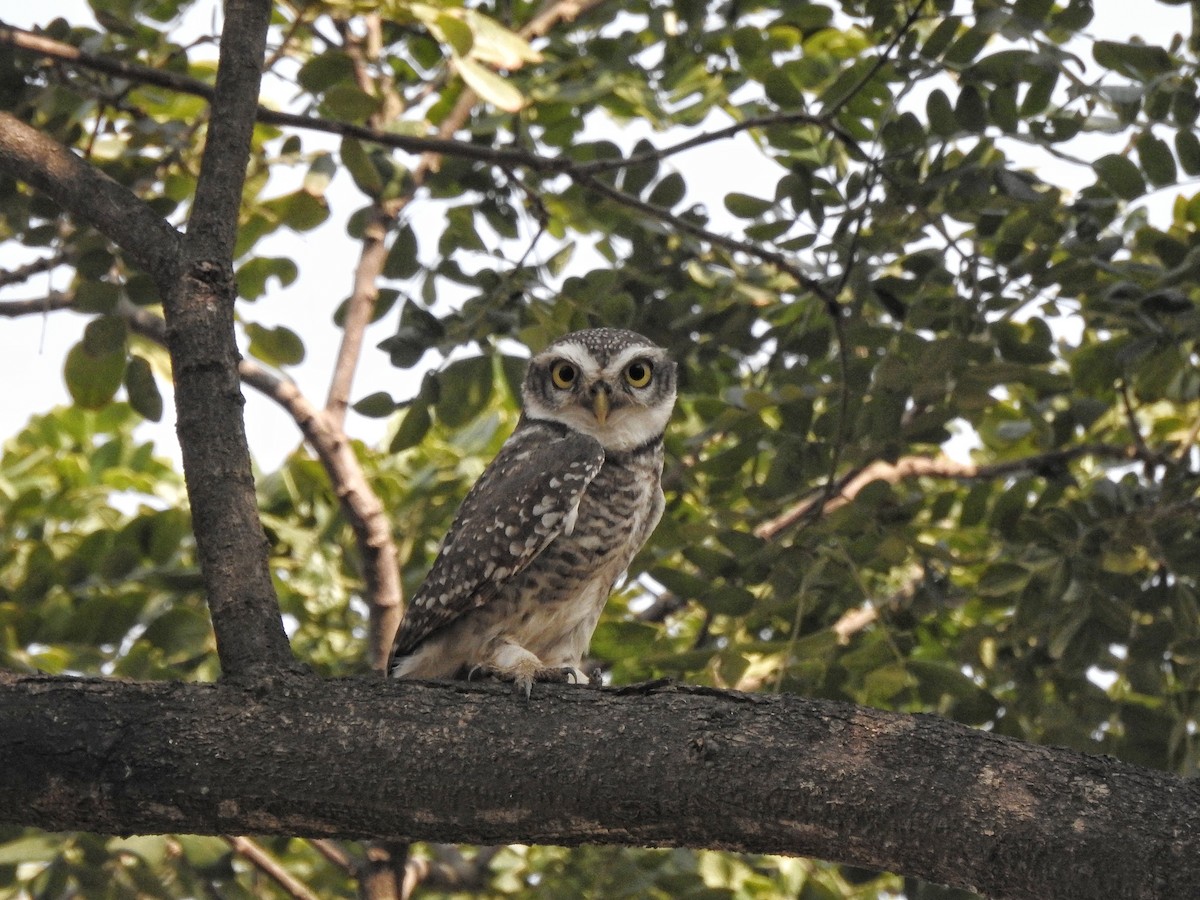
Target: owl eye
(638, 373)
(563, 374)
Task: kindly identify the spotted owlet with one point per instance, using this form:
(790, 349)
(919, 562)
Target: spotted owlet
(553, 522)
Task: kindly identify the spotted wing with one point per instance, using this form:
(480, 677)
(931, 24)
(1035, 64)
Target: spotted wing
(523, 501)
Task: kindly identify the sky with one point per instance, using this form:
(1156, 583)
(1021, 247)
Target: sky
(33, 348)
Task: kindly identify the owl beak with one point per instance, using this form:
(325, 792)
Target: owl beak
(601, 402)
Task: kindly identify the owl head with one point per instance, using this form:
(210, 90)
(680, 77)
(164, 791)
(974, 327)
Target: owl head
(613, 385)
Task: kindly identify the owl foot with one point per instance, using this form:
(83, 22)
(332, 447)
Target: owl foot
(523, 677)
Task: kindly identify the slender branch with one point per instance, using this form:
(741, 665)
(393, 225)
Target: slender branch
(257, 856)
(198, 309)
(433, 148)
(720, 134)
(778, 260)
(908, 467)
(34, 43)
(11, 309)
(21, 274)
(360, 308)
(91, 196)
(334, 854)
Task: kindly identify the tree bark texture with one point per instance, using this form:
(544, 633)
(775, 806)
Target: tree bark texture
(648, 765)
(198, 309)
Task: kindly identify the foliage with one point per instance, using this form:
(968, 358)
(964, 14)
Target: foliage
(920, 268)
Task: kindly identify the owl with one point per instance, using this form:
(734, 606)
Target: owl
(552, 523)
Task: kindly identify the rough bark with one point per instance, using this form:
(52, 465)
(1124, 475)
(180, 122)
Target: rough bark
(47, 166)
(654, 765)
(198, 308)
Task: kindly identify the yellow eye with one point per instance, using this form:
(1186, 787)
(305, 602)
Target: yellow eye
(563, 374)
(638, 373)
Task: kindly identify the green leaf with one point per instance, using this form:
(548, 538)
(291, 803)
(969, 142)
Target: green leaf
(93, 379)
(1002, 578)
(299, 211)
(349, 103)
(669, 191)
(968, 46)
(142, 389)
(1156, 159)
(325, 70)
(465, 389)
(278, 346)
(746, 207)
(970, 111)
(452, 30)
(490, 86)
(1139, 61)
(376, 406)
(1039, 92)
(402, 260)
(412, 428)
(34, 848)
(361, 168)
(1121, 176)
(252, 275)
(105, 334)
(1187, 145)
(940, 113)
(96, 296)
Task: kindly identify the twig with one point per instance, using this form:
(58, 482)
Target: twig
(12, 309)
(333, 853)
(257, 855)
(23, 273)
(708, 137)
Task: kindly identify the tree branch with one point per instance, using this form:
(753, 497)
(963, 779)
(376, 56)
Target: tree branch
(258, 857)
(646, 765)
(362, 507)
(198, 308)
(933, 467)
(23, 273)
(12, 309)
(91, 196)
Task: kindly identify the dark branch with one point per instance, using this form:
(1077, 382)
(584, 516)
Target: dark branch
(21, 274)
(645, 765)
(361, 505)
(208, 400)
(90, 196)
(12, 309)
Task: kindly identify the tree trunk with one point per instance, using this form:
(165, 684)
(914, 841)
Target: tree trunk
(647, 765)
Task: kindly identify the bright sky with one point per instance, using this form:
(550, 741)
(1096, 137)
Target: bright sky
(33, 348)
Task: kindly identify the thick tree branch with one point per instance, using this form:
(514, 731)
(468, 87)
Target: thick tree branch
(198, 308)
(645, 765)
(90, 196)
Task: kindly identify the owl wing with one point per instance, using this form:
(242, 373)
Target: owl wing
(527, 497)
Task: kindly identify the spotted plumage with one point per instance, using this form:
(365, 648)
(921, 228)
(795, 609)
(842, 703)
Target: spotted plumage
(553, 522)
